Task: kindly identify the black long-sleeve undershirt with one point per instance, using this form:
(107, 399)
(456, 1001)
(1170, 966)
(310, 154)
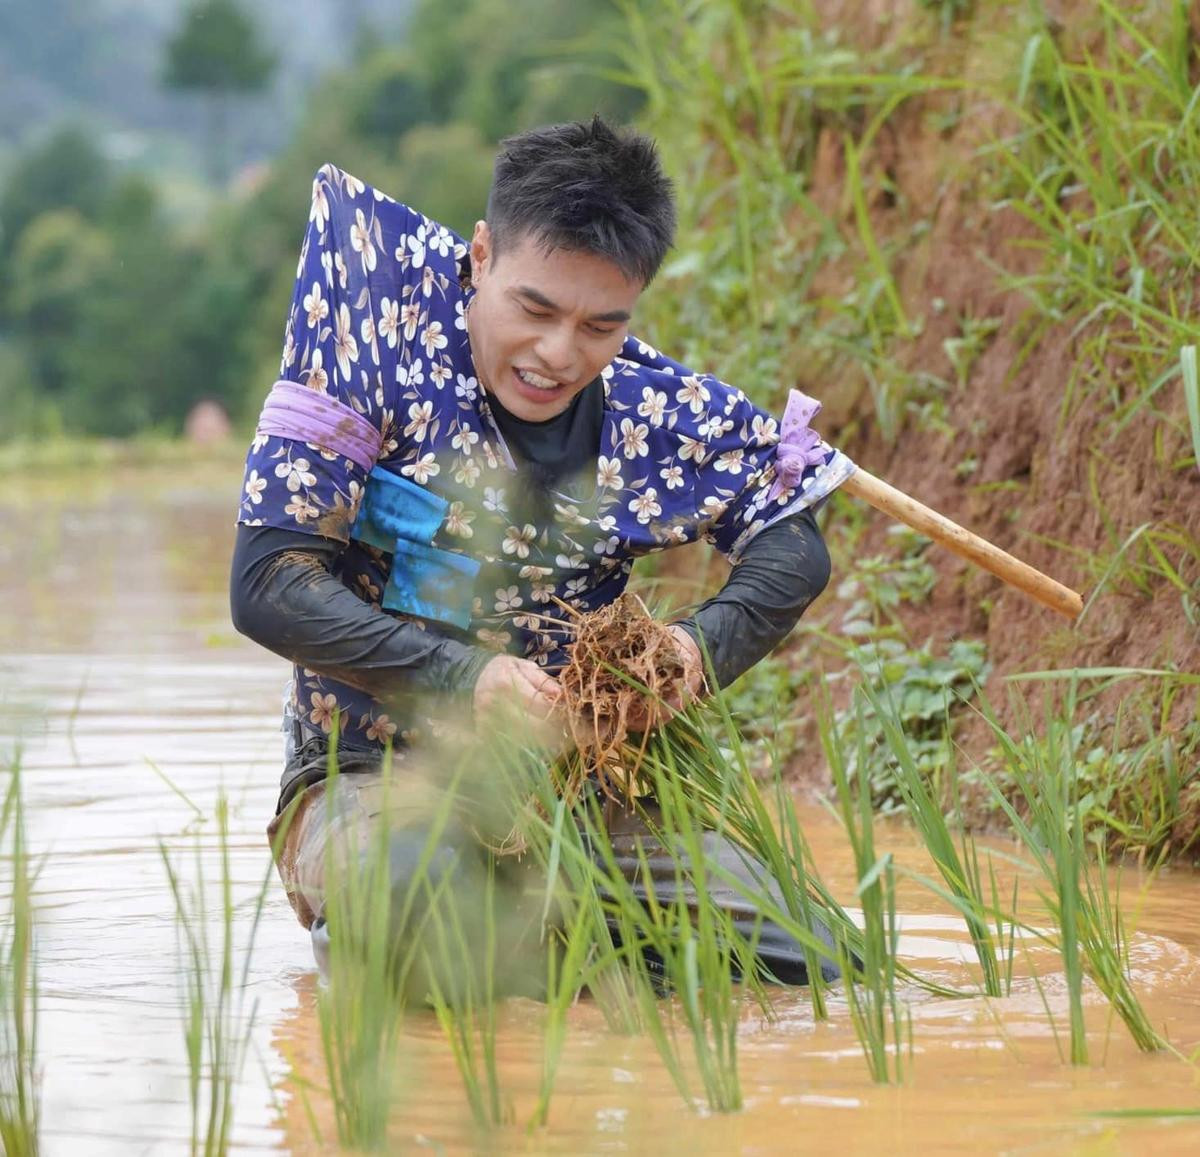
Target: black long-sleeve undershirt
(284, 596)
(780, 572)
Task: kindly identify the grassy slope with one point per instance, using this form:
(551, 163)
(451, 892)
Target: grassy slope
(971, 240)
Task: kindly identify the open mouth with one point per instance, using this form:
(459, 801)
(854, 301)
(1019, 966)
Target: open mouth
(535, 386)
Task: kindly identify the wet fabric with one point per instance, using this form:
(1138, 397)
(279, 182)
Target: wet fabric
(377, 324)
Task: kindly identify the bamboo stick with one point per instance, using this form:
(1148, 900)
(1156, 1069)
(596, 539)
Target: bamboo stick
(895, 503)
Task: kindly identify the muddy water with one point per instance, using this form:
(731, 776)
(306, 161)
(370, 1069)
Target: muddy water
(135, 705)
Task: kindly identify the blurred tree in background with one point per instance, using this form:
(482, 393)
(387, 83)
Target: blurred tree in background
(123, 303)
(217, 53)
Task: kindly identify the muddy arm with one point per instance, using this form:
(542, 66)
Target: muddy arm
(781, 571)
(284, 597)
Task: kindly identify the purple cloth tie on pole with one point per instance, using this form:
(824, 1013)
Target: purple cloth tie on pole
(306, 415)
(799, 444)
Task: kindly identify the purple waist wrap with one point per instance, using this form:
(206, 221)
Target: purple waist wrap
(295, 411)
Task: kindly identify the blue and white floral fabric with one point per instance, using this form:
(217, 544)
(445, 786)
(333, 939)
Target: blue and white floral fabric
(377, 327)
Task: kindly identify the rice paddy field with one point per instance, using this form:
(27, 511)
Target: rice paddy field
(969, 229)
(144, 732)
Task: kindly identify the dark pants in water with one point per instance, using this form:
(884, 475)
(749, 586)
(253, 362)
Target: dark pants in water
(319, 817)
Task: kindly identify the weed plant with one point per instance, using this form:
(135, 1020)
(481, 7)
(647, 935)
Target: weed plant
(20, 1096)
(217, 1010)
(921, 691)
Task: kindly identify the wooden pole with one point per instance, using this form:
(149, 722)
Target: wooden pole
(898, 505)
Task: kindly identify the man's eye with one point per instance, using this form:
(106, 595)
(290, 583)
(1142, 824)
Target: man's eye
(534, 312)
(603, 332)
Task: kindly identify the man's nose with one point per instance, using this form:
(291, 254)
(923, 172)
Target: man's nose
(556, 349)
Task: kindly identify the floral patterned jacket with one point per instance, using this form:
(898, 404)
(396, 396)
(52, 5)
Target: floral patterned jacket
(377, 330)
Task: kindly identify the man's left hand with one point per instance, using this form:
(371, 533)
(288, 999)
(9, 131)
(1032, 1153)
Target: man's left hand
(648, 713)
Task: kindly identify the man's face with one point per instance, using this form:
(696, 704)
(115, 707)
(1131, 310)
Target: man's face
(543, 325)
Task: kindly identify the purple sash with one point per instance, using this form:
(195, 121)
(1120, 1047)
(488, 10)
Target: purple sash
(306, 415)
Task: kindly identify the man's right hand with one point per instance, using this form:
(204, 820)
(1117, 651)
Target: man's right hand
(521, 688)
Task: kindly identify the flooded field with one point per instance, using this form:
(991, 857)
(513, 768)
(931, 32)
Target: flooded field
(135, 706)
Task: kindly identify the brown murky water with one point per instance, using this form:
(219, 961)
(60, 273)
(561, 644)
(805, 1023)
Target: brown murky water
(119, 672)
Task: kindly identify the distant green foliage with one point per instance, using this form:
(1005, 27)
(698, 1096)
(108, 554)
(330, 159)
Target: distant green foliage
(120, 325)
(65, 171)
(217, 53)
(217, 50)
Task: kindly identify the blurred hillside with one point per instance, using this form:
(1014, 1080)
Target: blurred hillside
(131, 290)
(98, 63)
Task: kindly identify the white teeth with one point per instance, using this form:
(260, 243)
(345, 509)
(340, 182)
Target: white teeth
(536, 380)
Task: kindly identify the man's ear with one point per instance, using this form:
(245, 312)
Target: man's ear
(481, 248)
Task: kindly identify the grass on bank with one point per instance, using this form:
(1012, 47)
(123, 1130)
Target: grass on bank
(1086, 130)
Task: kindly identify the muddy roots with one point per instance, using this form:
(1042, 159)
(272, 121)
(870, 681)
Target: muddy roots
(624, 666)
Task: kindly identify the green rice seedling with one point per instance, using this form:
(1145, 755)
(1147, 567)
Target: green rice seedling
(648, 930)
(217, 1019)
(20, 1097)
(468, 1017)
(881, 1022)
(1091, 936)
(707, 753)
(696, 949)
(701, 947)
(956, 862)
(566, 972)
(362, 1004)
(706, 749)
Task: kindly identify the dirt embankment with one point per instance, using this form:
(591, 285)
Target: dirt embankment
(1036, 447)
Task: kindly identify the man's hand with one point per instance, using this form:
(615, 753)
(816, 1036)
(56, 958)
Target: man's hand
(520, 688)
(648, 714)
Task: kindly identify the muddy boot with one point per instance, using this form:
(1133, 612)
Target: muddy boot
(779, 956)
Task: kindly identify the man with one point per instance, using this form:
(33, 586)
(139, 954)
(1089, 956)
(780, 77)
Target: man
(464, 434)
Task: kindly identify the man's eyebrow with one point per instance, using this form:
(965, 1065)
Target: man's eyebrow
(539, 298)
